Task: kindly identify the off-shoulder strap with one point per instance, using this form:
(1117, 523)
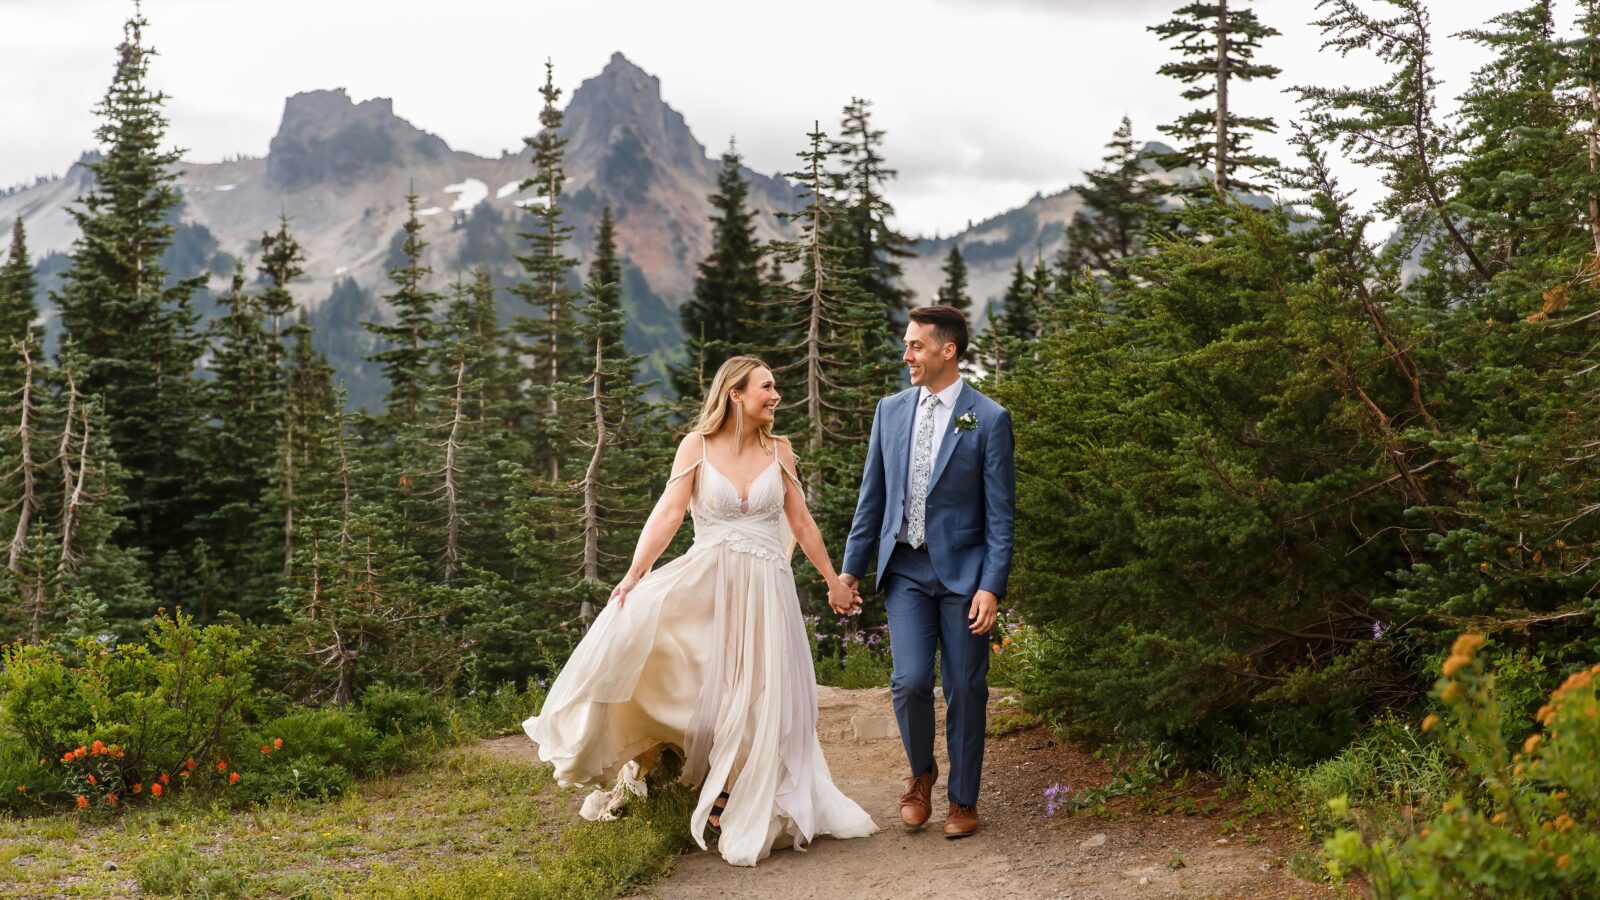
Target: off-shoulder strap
(676, 476)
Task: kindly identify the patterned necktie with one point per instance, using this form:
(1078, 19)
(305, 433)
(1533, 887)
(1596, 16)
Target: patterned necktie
(921, 472)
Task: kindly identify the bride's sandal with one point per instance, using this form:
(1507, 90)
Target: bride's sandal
(714, 829)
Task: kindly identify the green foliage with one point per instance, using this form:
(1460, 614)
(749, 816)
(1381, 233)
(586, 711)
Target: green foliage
(131, 714)
(1519, 819)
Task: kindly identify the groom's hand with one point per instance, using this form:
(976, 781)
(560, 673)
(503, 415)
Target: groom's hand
(985, 609)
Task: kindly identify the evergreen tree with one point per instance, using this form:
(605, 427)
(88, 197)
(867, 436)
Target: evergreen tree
(718, 319)
(135, 331)
(548, 338)
(1216, 45)
(246, 394)
(303, 477)
(954, 290)
(1392, 126)
(407, 345)
(282, 261)
(1009, 326)
(1121, 203)
(872, 246)
(17, 309)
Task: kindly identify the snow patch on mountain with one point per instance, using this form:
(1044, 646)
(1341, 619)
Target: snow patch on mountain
(472, 192)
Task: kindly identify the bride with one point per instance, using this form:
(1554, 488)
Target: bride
(709, 654)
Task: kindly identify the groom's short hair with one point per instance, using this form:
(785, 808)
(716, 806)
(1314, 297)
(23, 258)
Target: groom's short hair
(949, 323)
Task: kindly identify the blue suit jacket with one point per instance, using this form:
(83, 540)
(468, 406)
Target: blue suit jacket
(971, 494)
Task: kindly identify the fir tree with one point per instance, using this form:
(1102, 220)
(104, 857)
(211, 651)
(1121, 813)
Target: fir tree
(137, 333)
(545, 286)
(246, 394)
(408, 343)
(718, 320)
(1121, 203)
(282, 261)
(1216, 45)
(954, 290)
(303, 478)
(872, 246)
(1392, 126)
(17, 309)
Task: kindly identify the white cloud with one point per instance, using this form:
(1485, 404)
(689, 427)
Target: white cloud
(985, 101)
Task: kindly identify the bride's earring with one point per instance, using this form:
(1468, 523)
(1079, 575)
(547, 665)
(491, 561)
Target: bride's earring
(738, 426)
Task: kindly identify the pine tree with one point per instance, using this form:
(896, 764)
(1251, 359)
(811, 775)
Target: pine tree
(1216, 45)
(873, 247)
(954, 290)
(548, 337)
(407, 345)
(718, 319)
(136, 333)
(303, 478)
(1121, 203)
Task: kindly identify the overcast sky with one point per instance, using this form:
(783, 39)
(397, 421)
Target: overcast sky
(985, 101)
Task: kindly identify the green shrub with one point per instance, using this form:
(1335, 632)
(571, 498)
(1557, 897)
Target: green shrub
(1519, 823)
(405, 713)
(339, 737)
(304, 779)
(26, 782)
(174, 706)
(1391, 771)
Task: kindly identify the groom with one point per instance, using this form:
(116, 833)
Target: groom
(937, 503)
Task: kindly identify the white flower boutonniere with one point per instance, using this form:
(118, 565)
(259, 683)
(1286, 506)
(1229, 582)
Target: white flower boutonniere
(967, 422)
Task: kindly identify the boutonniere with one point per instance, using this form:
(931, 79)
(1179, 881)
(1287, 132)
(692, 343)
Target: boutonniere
(967, 422)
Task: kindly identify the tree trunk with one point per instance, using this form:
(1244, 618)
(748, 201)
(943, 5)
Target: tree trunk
(1221, 173)
(591, 479)
(452, 540)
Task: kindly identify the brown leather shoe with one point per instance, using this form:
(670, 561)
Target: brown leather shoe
(962, 821)
(916, 804)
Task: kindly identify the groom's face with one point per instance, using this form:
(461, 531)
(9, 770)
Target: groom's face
(928, 359)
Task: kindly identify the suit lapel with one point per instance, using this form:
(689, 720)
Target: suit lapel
(906, 422)
(947, 446)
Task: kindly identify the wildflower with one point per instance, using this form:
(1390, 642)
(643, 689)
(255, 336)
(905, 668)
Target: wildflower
(277, 743)
(111, 799)
(1006, 641)
(1467, 645)
(97, 749)
(92, 779)
(874, 639)
(1451, 693)
(1532, 742)
(83, 802)
(222, 765)
(155, 789)
(233, 778)
(190, 763)
(265, 749)
(1377, 630)
(184, 774)
(1454, 664)
(1499, 818)
(165, 778)
(22, 789)
(137, 787)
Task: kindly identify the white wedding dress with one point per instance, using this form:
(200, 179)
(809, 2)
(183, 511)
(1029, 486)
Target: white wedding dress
(709, 655)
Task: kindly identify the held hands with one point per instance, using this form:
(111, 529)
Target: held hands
(844, 595)
(619, 594)
(985, 609)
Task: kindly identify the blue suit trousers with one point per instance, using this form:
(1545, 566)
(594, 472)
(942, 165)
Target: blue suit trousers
(925, 617)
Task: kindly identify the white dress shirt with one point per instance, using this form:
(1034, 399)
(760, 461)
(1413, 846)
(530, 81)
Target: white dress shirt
(942, 411)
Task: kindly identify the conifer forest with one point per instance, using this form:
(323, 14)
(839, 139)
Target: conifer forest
(1301, 484)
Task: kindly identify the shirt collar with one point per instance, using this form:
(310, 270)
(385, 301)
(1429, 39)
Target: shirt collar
(947, 397)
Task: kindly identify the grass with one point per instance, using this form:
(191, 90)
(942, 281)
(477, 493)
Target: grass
(472, 823)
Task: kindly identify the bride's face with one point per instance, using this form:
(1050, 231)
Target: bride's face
(759, 397)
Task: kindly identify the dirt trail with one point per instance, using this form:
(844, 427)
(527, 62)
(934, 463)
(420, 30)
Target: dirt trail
(1020, 851)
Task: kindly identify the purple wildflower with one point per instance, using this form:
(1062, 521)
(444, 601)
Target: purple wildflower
(1055, 797)
(1377, 630)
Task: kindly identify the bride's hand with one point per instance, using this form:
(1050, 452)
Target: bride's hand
(619, 594)
(844, 600)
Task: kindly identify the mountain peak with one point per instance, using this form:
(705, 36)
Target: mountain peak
(325, 137)
(623, 106)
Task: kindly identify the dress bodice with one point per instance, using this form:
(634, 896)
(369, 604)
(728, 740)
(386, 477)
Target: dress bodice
(753, 525)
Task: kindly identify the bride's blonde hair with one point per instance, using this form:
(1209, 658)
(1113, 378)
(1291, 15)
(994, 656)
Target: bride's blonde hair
(719, 406)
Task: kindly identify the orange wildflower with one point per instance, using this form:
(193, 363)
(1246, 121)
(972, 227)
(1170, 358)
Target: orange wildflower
(22, 789)
(277, 743)
(1532, 742)
(111, 799)
(92, 780)
(137, 787)
(222, 765)
(1429, 721)
(165, 778)
(265, 749)
(97, 749)
(233, 778)
(155, 789)
(83, 802)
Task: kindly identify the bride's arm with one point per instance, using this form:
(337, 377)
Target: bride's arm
(809, 536)
(667, 516)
